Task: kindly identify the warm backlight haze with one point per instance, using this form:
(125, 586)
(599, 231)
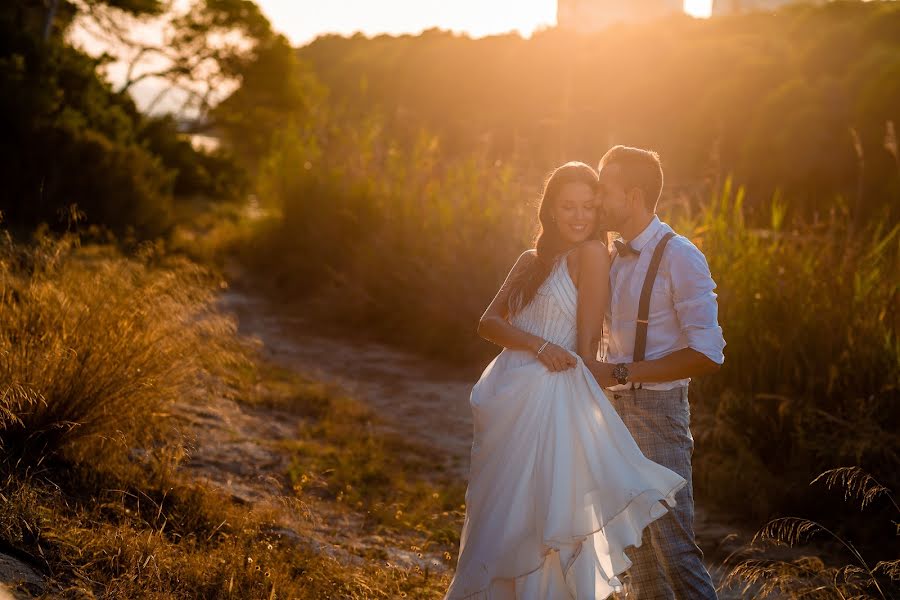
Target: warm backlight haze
(301, 22)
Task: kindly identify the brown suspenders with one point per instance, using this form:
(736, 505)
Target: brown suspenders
(640, 333)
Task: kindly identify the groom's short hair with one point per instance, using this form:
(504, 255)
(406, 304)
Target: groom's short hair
(640, 168)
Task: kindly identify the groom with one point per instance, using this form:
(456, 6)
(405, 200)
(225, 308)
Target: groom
(663, 330)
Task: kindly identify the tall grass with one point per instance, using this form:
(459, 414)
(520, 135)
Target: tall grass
(813, 356)
(390, 239)
(95, 349)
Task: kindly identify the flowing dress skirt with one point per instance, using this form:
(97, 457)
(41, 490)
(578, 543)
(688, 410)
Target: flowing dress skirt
(557, 489)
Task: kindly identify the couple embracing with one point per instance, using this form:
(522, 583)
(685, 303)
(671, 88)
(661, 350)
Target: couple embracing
(580, 475)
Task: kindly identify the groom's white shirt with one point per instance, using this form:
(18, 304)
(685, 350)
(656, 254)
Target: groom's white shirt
(683, 308)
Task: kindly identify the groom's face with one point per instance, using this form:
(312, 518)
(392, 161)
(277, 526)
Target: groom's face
(614, 203)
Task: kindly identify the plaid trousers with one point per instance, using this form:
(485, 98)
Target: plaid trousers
(668, 564)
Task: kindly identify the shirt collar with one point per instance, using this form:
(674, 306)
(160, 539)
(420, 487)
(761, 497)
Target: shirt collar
(641, 239)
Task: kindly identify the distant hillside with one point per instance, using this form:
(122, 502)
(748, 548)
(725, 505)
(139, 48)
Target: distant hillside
(770, 98)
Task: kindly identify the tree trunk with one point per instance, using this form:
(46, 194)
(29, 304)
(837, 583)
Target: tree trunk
(51, 15)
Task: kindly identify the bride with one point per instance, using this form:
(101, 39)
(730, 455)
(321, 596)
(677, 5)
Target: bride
(557, 486)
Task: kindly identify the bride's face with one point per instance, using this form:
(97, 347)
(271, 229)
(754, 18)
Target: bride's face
(575, 212)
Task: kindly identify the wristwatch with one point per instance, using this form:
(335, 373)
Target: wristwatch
(620, 372)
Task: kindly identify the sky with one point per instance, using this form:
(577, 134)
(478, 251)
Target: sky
(302, 20)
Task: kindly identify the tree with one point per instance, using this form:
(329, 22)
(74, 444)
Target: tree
(198, 48)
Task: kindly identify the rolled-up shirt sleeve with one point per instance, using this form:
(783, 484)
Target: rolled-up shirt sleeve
(695, 300)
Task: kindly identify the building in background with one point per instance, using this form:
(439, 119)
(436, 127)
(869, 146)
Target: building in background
(594, 15)
(736, 7)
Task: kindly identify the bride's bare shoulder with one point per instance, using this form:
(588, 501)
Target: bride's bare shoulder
(594, 252)
(589, 258)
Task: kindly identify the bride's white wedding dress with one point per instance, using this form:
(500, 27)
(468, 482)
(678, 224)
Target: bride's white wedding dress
(558, 488)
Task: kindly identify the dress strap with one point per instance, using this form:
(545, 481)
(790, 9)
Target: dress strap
(561, 260)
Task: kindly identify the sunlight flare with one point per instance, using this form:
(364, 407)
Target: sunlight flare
(698, 8)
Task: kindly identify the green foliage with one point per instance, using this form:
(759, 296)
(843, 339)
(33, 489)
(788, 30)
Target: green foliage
(813, 354)
(277, 94)
(213, 175)
(390, 238)
(71, 139)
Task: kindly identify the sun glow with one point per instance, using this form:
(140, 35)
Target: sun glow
(303, 20)
(698, 8)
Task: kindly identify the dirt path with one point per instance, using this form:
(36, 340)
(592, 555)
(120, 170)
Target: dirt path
(415, 397)
(239, 450)
(418, 398)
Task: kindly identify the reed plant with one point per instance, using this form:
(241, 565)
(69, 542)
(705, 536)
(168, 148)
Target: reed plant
(812, 357)
(759, 576)
(391, 239)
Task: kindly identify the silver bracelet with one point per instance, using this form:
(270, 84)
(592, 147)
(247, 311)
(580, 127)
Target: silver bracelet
(541, 349)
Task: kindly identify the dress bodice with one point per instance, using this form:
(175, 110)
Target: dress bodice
(551, 313)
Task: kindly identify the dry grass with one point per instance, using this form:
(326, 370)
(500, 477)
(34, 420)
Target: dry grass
(184, 542)
(94, 349)
(401, 488)
(813, 355)
(391, 487)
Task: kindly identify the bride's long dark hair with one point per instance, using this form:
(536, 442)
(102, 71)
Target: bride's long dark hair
(548, 242)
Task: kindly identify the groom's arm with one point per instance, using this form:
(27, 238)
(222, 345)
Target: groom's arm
(677, 365)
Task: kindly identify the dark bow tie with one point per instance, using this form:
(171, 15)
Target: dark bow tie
(626, 249)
